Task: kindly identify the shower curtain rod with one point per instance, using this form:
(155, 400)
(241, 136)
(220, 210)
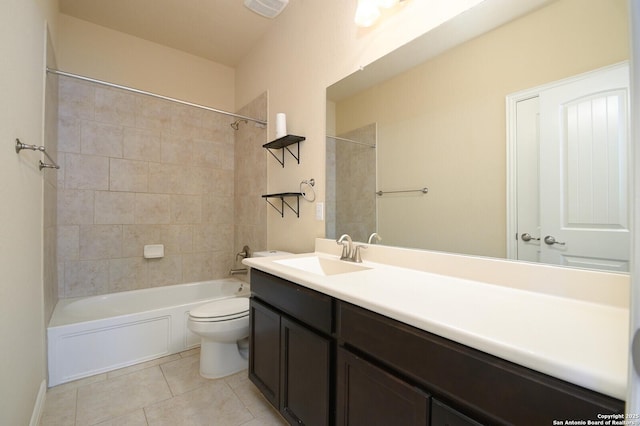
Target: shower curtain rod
(352, 141)
(154, 95)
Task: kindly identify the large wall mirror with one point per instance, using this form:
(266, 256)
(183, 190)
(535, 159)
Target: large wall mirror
(433, 115)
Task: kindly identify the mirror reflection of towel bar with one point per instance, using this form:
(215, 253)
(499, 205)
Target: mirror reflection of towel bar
(424, 190)
(20, 146)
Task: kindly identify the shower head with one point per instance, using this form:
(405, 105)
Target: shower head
(236, 124)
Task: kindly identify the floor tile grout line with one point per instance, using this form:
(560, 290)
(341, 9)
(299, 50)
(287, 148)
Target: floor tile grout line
(75, 407)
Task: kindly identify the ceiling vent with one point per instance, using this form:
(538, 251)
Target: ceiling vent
(267, 8)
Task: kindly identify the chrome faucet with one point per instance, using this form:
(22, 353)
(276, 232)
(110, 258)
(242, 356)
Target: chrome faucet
(375, 236)
(349, 252)
(346, 248)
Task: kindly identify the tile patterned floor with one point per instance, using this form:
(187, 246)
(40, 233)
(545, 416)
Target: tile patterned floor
(164, 392)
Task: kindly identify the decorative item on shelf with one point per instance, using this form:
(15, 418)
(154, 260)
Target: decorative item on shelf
(281, 125)
(284, 143)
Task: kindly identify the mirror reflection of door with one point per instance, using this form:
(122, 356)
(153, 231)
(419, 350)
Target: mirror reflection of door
(572, 203)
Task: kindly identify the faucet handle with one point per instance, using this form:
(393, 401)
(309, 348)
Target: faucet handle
(356, 253)
(345, 250)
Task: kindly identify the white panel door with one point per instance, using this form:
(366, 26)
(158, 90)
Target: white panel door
(583, 171)
(527, 180)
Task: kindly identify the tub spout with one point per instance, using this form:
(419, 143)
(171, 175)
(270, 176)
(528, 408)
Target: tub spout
(246, 252)
(240, 271)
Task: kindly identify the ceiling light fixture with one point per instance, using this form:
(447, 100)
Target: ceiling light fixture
(368, 11)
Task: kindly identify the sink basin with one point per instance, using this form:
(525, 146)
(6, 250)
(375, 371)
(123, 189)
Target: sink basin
(321, 266)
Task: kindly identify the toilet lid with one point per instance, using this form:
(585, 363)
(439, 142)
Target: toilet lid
(222, 308)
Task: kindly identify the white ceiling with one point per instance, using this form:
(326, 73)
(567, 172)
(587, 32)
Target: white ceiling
(222, 31)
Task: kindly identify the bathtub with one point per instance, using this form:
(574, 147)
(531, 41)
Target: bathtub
(91, 335)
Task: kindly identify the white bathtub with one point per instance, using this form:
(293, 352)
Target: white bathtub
(91, 335)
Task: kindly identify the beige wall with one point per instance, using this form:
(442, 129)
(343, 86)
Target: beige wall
(314, 45)
(22, 42)
(442, 124)
(97, 52)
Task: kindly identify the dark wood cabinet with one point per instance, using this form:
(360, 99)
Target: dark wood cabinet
(481, 386)
(291, 358)
(264, 352)
(443, 415)
(368, 396)
(306, 381)
(322, 361)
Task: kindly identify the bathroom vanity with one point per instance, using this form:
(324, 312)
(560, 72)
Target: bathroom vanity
(326, 349)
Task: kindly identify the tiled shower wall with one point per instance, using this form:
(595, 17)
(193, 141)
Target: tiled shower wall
(50, 193)
(355, 183)
(139, 170)
(251, 180)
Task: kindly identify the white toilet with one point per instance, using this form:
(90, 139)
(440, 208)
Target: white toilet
(223, 327)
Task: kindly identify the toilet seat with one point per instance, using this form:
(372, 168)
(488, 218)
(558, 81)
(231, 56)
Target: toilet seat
(221, 310)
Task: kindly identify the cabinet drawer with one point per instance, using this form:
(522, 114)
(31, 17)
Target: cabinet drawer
(469, 377)
(306, 305)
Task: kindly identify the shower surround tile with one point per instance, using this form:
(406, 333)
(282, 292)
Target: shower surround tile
(68, 242)
(152, 208)
(115, 106)
(69, 134)
(86, 277)
(142, 144)
(100, 242)
(128, 175)
(114, 207)
(139, 170)
(127, 274)
(101, 139)
(153, 113)
(76, 98)
(186, 209)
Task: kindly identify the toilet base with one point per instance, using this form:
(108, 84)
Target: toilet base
(220, 359)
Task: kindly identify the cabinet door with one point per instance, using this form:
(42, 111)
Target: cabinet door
(306, 380)
(264, 351)
(367, 395)
(443, 415)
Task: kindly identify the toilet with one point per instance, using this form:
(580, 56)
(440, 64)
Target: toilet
(223, 328)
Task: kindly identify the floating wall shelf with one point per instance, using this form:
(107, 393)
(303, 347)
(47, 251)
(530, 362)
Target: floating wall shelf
(282, 196)
(284, 143)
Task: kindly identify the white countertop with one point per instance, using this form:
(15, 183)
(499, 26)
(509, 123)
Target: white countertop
(582, 342)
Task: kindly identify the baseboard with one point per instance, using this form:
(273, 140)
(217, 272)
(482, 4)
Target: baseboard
(39, 405)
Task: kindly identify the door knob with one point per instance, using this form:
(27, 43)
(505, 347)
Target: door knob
(526, 237)
(550, 240)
